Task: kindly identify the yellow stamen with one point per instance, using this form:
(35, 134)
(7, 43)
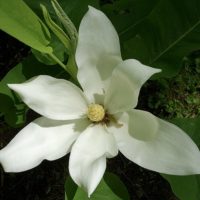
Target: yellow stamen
(95, 112)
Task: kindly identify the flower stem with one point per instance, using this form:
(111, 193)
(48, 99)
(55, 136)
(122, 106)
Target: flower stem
(71, 72)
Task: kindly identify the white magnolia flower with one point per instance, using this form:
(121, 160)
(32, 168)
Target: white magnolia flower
(95, 123)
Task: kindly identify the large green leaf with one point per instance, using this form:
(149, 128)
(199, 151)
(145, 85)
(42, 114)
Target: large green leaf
(110, 188)
(127, 14)
(18, 20)
(168, 33)
(187, 187)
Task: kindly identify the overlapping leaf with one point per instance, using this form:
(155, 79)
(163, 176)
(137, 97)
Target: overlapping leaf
(187, 187)
(127, 14)
(74, 9)
(10, 105)
(159, 33)
(18, 20)
(110, 188)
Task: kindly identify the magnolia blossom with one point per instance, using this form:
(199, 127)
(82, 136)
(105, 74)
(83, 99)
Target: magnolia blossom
(98, 121)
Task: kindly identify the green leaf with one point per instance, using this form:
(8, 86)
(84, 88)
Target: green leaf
(18, 20)
(55, 24)
(191, 127)
(74, 9)
(59, 51)
(187, 187)
(26, 69)
(127, 14)
(56, 29)
(168, 34)
(70, 189)
(66, 22)
(73, 37)
(11, 106)
(116, 185)
(8, 109)
(110, 188)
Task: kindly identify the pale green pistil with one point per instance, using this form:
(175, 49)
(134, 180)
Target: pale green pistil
(96, 112)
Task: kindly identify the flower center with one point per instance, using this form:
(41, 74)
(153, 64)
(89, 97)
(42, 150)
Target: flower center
(96, 112)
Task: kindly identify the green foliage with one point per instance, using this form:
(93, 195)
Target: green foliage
(59, 51)
(61, 35)
(20, 21)
(67, 24)
(74, 9)
(62, 43)
(110, 188)
(11, 106)
(160, 33)
(127, 14)
(187, 187)
(147, 31)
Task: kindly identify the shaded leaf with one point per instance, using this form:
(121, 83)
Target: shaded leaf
(163, 39)
(110, 188)
(8, 109)
(74, 9)
(116, 185)
(59, 51)
(127, 14)
(11, 106)
(66, 23)
(187, 187)
(61, 35)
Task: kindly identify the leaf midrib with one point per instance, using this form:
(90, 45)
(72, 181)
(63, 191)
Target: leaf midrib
(175, 42)
(139, 21)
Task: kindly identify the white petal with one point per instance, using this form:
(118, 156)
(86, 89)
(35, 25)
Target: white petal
(126, 81)
(41, 139)
(53, 98)
(172, 151)
(98, 51)
(88, 156)
(142, 125)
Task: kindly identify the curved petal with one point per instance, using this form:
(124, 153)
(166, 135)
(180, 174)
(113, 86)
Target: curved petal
(142, 125)
(98, 52)
(170, 152)
(126, 81)
(41, 139)
(88, 156)
(53, 98)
